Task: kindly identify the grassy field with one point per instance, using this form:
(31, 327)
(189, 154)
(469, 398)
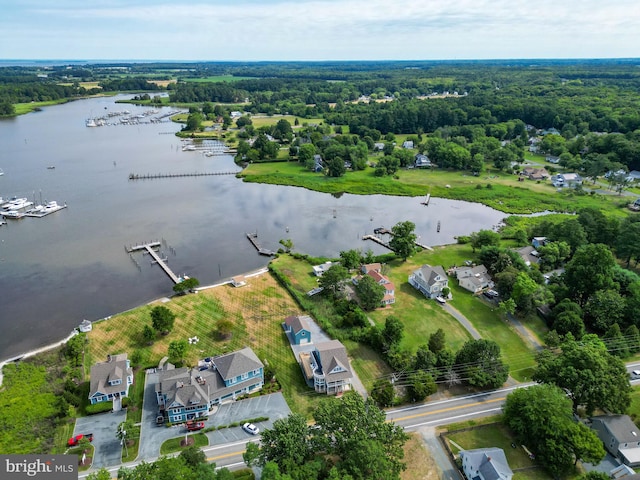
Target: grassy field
(265, 120)
(22, 108)
(420, 464)
(498, 190)
(256, 310)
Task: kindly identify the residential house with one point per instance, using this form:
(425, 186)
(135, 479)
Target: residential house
(566, 180)
(184, 393)
(422, 161)
(637, 202)
(378, 146)
(620, 436)
(389, 289)
(538, 242)
(239, 281)
(318, 165)
(408, 144)
(110, 380)
(328, 367)
(529, 254)
(624, 471)
(552, 159)
(474, 279)
(429, 280)
(371, 267)
(533, 173)
(318, 270)
(297, 328)
(485, 464)
(634, 176)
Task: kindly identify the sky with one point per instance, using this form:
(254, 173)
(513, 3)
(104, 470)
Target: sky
(262, 30)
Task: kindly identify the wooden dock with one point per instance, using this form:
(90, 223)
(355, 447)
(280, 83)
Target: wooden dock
(426, 199)
(152, 176)
(149, 248)
(379, 241)
(253, 238)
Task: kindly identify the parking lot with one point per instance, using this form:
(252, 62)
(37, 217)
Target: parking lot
(107, 449)
(152, 436)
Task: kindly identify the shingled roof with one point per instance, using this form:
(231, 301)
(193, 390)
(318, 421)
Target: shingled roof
(234, 364)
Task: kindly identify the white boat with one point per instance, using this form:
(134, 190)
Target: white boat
(1, 172)
(19, 204)
(12, 214)
(91, 123)
(188, 148)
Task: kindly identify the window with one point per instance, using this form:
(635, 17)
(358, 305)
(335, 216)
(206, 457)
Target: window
(245, 376)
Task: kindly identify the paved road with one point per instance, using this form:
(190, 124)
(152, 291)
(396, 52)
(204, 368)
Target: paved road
(107, 449)
(462, 319)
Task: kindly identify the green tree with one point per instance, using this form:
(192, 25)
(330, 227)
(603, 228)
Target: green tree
(177, 350)
(148, 334)
(162, 318)
(590, 375)
(186, 285)
(421, 385)
(193, 456)
(102, 474)
(437, 341)
(481, 364)
(569, 322)
(356, 431)
(74, 348)
(603, 309)
(305, 155)
(541, 417)
(628, 242)
(484, 238)
(335, 167)
(590, 270)
(370, 293)
(392, 332)
(404, 239)
(194, 122)
(616, 342)
(383, 392)
(332, 281)
(287, 443)
(528, 294)
(350, 259)
(287, 243)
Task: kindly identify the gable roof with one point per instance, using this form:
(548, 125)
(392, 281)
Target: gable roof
(297, 323)
(491, 463)
(621, 427)
(430, 273)
(235, 364)
(330, 355)
(114, 369)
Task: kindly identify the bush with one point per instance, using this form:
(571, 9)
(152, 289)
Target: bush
(126, 401)
(98, 408)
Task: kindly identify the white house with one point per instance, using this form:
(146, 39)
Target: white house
(474, 279)
(318, 270)
(429, 280)
(620, 437)
(566, 180)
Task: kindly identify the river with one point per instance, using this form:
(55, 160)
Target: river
(71, 265)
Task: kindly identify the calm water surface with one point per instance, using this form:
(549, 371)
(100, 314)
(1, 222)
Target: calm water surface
(71, 265)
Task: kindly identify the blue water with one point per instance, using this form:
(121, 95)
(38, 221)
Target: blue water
(58, 270)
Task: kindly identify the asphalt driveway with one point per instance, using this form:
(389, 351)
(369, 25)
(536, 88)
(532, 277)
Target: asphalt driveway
(152, 436)
(107, 449)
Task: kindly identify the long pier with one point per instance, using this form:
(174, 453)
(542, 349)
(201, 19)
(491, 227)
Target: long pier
(151, 176)
(379, 241)
(149, 248)
(253, 238)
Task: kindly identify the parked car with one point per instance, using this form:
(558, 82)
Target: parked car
(251, 428)
(73, 441)
(491, 294)
(441, 300)
(194, 426)
(635, 374)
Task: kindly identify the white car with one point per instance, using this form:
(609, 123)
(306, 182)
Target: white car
(441, 300)
(635, 374)
(251, 428)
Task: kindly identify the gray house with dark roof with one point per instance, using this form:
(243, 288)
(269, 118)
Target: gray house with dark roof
(184, 394)
(485, 464)
(620, 437)
(429, 280)
(110, 380)
(328, 366)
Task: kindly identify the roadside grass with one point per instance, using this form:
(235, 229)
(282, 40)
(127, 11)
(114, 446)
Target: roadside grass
(634, 408)
(498, 190)
(130, 453)
(516, 353)
(173, 444)
(63, 433)
(136, 394)
(418, 459)
(492, 435)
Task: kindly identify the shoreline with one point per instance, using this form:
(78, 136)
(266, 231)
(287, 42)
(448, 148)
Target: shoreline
(74, 332)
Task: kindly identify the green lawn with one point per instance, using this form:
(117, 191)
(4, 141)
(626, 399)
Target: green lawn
(499, 190)
(173, 444)
(517, 353)
(22, 108)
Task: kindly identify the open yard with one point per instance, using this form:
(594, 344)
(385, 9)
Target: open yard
(256, 311)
